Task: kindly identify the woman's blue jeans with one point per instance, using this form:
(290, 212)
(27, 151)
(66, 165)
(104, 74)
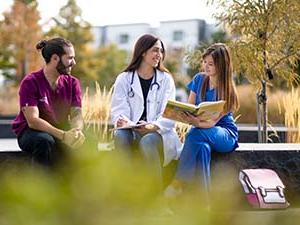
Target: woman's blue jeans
(195, 158)
(149, 146)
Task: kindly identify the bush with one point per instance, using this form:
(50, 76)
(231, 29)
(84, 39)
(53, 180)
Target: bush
(247, 111)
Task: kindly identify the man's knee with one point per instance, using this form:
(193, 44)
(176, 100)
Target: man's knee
(43, 142)
(32, 139)
(42, 147)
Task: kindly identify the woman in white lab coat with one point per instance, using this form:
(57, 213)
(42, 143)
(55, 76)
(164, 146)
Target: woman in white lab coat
(140, 95)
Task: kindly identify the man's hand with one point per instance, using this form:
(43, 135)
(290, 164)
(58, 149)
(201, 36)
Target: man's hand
(80, 138)
(73, 138)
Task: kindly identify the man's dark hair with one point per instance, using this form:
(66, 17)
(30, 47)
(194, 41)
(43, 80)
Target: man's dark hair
(52, 46)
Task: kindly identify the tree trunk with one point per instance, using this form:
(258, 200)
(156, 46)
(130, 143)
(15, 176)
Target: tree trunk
(261, 110)
(258, 118)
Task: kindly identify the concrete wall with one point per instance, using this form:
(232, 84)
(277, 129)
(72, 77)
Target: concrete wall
(182, 33)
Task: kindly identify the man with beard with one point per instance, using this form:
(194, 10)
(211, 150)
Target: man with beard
(50, 119)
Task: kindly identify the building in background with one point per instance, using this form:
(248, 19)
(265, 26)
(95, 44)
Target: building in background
(122, 35)
(179, 36)
(176, 34)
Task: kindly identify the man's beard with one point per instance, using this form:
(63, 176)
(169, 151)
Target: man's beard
(62, 69)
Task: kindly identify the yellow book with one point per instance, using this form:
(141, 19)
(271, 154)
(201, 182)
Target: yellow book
(207, 110)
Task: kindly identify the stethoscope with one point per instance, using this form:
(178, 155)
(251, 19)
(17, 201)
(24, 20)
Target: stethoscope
(155, 83)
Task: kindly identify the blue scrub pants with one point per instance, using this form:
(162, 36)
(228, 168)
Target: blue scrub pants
(195, 158)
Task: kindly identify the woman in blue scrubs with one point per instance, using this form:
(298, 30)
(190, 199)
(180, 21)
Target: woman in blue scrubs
(218, 134)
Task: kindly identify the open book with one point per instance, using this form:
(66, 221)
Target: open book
(207, 110)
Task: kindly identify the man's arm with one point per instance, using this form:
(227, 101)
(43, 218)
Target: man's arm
(76, 120)
(73, 138)
(31, 114)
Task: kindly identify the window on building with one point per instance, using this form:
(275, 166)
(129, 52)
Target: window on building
(124, 38)
(178, 35)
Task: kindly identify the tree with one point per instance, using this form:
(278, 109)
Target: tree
(111, 62)
(194, 57)
(70, 25)
(20, 32)
(174, 62)
(265, 44)
(6, 63)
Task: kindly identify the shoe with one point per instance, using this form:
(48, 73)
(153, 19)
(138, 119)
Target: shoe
(172, 192)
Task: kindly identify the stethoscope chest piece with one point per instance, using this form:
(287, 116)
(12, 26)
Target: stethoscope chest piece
(155, 83)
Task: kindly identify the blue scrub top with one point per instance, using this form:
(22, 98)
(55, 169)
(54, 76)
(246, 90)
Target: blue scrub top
(227, 120)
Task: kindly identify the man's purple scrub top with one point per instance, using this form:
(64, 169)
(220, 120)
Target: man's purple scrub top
(54, 105)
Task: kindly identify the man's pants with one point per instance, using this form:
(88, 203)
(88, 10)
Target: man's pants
(44, 148)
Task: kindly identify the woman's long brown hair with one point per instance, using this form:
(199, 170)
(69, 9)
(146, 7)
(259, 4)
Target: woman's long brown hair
(144, 43)
(225, 85)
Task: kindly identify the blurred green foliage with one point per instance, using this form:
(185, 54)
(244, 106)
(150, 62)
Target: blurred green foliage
(96, 188)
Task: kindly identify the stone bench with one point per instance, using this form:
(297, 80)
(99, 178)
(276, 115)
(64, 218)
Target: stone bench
(9, 145)
(10, 153)
(282, 158)
(268, 147)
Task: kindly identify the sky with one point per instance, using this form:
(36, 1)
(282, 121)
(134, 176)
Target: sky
(108, 12)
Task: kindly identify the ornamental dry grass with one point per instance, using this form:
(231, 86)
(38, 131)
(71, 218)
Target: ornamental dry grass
(290, 105)
(96, 105)
(247, 111)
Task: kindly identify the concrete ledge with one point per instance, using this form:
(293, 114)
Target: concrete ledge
(268, 147)
(9, 145)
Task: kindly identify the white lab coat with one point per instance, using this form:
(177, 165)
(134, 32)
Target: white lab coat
(133, 107)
